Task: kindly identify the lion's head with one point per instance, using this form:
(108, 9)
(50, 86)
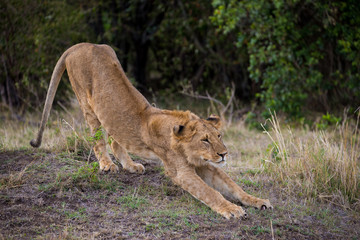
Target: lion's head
(201, 142)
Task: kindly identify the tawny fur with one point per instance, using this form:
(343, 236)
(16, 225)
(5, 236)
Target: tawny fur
(190, 148)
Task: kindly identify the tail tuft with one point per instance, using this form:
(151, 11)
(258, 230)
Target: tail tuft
(35, 143)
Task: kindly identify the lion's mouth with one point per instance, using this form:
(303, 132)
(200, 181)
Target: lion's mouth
(218, 162)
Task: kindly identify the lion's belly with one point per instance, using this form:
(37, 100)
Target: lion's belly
(144, 153)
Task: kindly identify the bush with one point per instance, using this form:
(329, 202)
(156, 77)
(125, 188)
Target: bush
(305, 54)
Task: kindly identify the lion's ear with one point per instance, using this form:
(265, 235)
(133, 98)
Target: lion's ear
(214, 120)
(178, 130)
(184, 131)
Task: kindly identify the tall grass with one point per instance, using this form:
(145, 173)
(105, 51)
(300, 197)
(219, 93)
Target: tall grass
(317, 164)
(312, 164)
(65, 131)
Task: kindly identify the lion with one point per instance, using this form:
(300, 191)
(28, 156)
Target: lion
(190, 148)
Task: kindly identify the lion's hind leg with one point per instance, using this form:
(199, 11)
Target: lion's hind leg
(125, 160)
(105, 162)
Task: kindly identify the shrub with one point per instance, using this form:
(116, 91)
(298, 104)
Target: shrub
(303, 53)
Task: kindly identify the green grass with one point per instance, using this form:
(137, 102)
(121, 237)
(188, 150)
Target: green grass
(73, 214)
(133, 201)
(248, 182)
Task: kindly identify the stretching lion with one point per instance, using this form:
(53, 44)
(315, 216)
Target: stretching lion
(190, 148)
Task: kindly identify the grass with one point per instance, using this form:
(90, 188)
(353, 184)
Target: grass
(14, 180)
(320, 165)
(133, 201)
(310, 176)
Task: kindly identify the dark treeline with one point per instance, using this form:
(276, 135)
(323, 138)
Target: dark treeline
(289, 55)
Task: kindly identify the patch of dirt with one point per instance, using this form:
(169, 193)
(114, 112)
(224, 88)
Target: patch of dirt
(42, 197)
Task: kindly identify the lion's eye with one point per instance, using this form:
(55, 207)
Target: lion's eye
(206, 140)
(219, 136)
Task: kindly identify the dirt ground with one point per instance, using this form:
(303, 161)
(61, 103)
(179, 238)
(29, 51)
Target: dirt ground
(45, 195)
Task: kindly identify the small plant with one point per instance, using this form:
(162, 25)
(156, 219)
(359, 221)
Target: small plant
(71, 214)
(87, 172)
(256, 230)
(249, 183)
(99, 134)
(328, 120)
(273, 151)
(190, 224)
(132, 201)
(15, 179)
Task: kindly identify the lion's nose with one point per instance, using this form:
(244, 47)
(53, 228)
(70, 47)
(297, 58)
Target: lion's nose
(222, 155)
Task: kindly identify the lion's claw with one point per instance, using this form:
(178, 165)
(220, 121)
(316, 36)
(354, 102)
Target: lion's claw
(135, 168)
(232, 211)
(108, 165)
(264, 204)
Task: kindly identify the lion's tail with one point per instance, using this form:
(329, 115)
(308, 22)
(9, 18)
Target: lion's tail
(54, 82)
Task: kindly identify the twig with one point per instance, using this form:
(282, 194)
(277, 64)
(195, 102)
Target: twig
(7, 85)
(64, 108)
(224, 108)
(202, 97)
(215, 107)
(231, 98)
(272, 230)
(88, 159)
(135, 193)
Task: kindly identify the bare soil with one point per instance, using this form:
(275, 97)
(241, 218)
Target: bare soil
(45, 195)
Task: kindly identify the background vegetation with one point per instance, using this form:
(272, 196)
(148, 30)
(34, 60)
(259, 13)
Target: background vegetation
(290, 56)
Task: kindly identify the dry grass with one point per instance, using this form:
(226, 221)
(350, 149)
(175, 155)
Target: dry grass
(316, 164)
(65, 130)
(13, 180)
(84, 204)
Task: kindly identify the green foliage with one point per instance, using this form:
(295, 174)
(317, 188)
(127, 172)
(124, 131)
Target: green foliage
(291, 55)
(189, 55)
(252, 121)
(99, 134)
(327, 120)
(302, 52)
(273, 152)
(88, 173)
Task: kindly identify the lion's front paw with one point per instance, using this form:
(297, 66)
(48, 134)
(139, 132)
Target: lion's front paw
(263, 204)
(135, 168)
(232, 211)
(108, 165)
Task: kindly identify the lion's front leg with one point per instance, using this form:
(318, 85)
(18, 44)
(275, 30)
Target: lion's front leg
(219, 180)
(125, 160)
(191, 182)
(105, 162)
